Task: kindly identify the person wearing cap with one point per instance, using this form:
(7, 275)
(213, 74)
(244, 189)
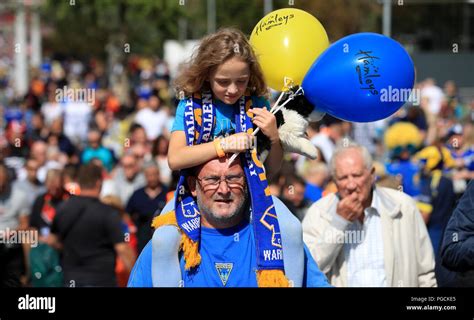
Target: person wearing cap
(436, 200)
(366, 235)
(402, 140)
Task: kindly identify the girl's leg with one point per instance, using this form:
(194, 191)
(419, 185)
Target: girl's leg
(292, 238)
(166, 271)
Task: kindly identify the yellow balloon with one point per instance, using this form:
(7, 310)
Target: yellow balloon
(287, 42)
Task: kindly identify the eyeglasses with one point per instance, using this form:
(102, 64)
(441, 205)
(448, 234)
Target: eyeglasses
(212, 183)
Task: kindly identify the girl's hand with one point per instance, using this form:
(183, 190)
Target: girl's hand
(266, 121)
(237, 142)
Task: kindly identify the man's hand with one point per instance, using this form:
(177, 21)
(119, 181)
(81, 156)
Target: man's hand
(350, 207)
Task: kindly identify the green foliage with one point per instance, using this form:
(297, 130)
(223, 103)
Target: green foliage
(85, 27)
(341, 18)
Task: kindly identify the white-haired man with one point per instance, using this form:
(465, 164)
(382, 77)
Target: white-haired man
(366, 235)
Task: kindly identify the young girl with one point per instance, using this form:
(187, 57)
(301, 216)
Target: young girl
(226, 65)
(224, 71)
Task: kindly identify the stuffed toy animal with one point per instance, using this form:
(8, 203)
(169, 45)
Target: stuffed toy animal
(292, 122)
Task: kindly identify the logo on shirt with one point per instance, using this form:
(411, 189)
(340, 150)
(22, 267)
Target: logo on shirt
(224, 270)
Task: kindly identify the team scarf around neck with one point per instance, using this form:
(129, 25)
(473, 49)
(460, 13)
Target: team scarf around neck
(199, 122)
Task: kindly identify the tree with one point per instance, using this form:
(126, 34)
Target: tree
(344, 17)
(87, 27)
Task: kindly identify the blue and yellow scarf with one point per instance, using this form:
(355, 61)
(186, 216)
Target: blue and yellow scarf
(199, 122)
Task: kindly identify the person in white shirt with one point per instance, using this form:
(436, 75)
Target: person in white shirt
(14, 215)
(31, 186)
(153, 118)
(128, 177)
(76, 120)
(51, 109)
(433, 94)
(38, 152)
(366, 235)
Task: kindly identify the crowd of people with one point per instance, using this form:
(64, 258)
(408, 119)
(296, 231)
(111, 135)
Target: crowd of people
(52, 142)
(74, 115)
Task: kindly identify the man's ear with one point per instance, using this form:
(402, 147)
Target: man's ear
(191, 184)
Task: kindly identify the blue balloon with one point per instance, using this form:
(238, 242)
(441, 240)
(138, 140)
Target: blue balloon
(362, 77)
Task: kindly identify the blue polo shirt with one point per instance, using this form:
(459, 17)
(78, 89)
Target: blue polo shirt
(228, 260)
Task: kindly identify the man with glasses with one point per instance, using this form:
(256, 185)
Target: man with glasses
(227, 246)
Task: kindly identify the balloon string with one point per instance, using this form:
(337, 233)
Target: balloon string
(278, 100)
(273, 110)
(291, 97)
